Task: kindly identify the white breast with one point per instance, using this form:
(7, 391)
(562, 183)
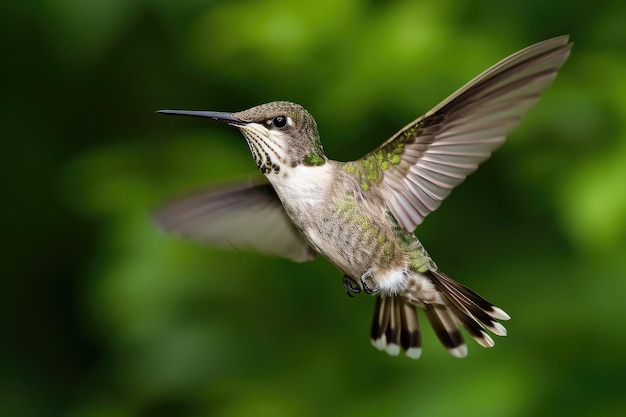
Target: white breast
(303, 191)
(302, 185)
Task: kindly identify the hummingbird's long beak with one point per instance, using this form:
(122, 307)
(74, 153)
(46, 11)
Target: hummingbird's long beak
(220, 116)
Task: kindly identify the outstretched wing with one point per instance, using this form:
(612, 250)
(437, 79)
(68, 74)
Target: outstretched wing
(247, 217)
(420, 165)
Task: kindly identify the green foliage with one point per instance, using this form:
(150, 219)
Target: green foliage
(106, 316)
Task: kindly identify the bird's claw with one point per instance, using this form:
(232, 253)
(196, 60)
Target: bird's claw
(370, 286)
(350, 286)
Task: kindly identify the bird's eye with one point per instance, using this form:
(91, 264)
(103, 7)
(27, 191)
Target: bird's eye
(279, 121)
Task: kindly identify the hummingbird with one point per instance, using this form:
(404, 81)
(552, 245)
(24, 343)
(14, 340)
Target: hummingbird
(361, 215)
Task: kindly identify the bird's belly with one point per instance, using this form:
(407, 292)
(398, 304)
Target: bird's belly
(353, 248)
(390, 275)
(346, 257)
(353, 233)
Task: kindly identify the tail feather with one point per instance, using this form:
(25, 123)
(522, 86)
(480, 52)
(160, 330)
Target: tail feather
(444, 323)
(410, 338)
(470, 306)
(473, 327)
(395, 326)
(468, 295)
(378, 332)
(471, 310)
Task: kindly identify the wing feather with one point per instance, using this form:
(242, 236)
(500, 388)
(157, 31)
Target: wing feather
(245, 216)
(440, 149)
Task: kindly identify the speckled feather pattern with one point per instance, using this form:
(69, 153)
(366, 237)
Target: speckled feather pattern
(361, 214)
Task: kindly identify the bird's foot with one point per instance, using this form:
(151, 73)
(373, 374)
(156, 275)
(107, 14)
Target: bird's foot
(350, 286)
(370, 286)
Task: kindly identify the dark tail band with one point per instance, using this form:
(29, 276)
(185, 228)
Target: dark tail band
(395, 326)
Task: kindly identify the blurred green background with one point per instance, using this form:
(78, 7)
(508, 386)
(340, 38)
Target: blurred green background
(106, 317)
